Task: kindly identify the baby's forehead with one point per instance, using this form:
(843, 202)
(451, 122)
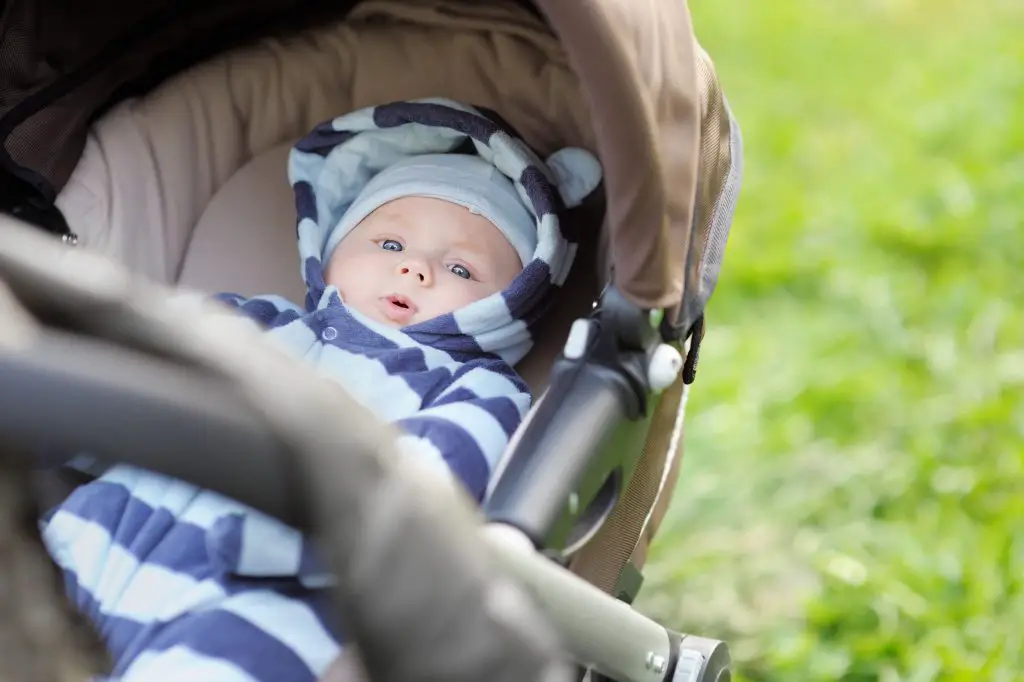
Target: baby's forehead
(436, 220)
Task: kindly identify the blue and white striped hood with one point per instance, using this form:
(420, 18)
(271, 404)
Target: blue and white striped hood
(330, 166)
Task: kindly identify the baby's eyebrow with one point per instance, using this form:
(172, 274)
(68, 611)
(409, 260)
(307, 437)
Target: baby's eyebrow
(468, 246)
(394, 218)
(480, 256)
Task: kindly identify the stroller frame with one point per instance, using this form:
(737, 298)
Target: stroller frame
(604, 633)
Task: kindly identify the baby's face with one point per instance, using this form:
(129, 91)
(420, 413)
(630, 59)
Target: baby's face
(415, 258)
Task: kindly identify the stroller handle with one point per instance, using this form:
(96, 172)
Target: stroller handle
(67, 394)
(272, 433)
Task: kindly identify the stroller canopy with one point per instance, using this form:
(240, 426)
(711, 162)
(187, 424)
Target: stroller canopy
(638, 66)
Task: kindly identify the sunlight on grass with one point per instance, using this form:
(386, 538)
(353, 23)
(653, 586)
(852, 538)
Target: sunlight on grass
(852, 505)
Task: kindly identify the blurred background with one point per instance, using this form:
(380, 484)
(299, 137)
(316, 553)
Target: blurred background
(851, 506)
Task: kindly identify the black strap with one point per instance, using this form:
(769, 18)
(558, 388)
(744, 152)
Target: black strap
(22, 201)
(692, 355)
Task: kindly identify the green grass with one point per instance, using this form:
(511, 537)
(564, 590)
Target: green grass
(852, 504)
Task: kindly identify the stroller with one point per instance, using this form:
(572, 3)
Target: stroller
(141, 140)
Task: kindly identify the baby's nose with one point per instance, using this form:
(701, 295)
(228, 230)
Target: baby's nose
(415, 268)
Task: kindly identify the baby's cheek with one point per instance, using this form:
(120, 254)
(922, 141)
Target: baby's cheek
(344, 275)
(442, 301)
(477, 291)
(332, 274)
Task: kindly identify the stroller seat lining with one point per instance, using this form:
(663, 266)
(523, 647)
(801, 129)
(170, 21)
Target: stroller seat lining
(244, 242)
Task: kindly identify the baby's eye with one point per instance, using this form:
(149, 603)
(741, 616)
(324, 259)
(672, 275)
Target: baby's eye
(391, 245)
(460, 271)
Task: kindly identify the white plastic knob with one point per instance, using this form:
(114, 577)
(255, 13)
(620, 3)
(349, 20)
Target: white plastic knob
(578, 339)
(666, 363)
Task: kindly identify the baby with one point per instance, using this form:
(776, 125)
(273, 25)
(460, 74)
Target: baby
(430, 244)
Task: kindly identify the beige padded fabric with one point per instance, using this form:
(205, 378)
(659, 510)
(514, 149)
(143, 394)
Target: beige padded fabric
(245, 240)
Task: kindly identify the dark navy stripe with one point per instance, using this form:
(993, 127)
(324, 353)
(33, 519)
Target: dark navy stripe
(121, 635)
(230, 299)
(528, 289)
(503, 123)
(425, 113)
(239, 641)
(502, 408)
(461, 347)
(493, 365)
(267, 313)
(223, 542)
(350, 332)
(223, 635)
(407, 362)
(151, 535)
(460, 450)
(305, 203)
(311, 563)
(543, 196)
(323, 139)
(536, 313)
(312, 272)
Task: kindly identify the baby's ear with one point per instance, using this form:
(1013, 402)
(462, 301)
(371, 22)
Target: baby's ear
(577, 174)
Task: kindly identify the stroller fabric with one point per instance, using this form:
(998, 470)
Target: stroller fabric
(186, 584)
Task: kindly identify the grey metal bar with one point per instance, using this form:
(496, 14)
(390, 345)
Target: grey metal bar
(598, 630)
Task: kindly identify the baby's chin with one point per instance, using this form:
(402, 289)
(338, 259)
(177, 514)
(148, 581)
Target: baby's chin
(383, 319)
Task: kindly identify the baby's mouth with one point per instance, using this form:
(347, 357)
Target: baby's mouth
(399, 308)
